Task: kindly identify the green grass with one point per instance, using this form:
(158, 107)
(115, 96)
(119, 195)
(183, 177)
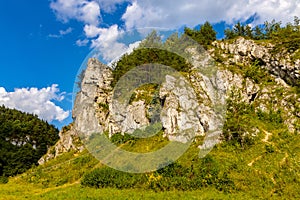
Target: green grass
(272, 175)
(16, 190)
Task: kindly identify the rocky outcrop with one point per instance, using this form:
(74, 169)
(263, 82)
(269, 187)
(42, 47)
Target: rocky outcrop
(69, 141)
(285, 72)
(246, 51)
(190, 105)
(89, 98)
(179, 112)
(127, 118)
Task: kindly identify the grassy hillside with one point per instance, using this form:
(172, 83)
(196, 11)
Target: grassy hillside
(259, 157)
(268, 168)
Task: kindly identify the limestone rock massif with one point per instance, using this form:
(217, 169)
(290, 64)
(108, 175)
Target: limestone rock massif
(196, 101)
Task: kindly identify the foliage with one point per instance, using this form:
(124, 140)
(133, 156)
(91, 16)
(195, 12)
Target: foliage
(122, 139)
(236, 125)
(147, 55)
(269, 30)
(246, 165)
(171, 177)
(67, 168)
(204, 36)
(107, 177)
(3, 180)
(239, 30)
(256, 73)
(287, 39)
(23, 140)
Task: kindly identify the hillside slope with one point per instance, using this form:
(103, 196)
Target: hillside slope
(256, 156)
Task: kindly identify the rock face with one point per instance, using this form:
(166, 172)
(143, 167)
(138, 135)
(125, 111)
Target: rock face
(187, 103)
(193, 103)
(179, 112)
(95, 81)
(126, 119)
(69, 140)
(245, 51)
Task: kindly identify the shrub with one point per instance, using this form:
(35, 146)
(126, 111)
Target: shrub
(107, 177)
(121, 139)
(3, 180)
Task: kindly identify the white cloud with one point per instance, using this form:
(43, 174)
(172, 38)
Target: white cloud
(36, 101)
(82, 10)
(61, 33)
(126, 50)
(164, 14)
(175, 13)
(92, 31)
(65, 32)
(82, 43)
(107, 42)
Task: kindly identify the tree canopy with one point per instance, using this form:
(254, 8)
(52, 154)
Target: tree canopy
(155, 54)
(204, 36)
(24, 138)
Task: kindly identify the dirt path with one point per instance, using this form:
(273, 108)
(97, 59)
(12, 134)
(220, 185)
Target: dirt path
(268, 134)
(266, 140)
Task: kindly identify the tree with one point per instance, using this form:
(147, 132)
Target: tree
(152, 40)
(23, 140)
(270, 28)
(248, 32)
(229, 34)
(204, 36)
(258, 34)
(208, 33)
(239, 29)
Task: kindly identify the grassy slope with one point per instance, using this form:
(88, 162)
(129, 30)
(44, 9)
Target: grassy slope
(256, 173)
(46, 182)
(75, 191)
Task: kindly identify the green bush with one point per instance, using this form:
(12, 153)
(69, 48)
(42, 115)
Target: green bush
(172, 170)
(269, 148)
(3, 180)
(225, 184)
(107, 177)
(172, 177)
(121, 139)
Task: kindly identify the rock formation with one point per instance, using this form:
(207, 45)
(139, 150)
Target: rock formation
(244, 51)
(186, 108)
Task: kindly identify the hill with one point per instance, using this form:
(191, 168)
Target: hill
(248, 84)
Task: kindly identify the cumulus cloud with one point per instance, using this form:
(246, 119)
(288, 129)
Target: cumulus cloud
(175, 13)
(166, 14)
(36, 101)
(107, 41)
(82, 10)
(92, 31)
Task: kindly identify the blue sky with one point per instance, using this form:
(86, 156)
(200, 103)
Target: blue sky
(44, 42)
